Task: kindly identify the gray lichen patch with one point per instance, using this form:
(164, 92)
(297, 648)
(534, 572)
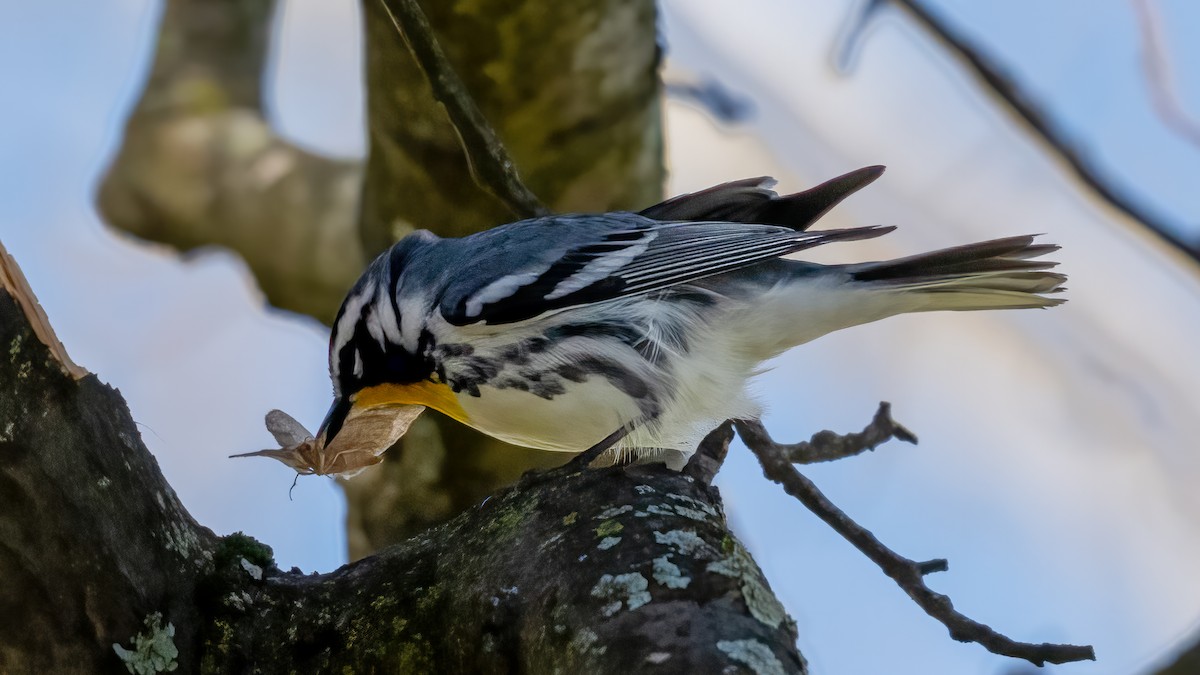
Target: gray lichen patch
(668, 574)
(239, 600)
(253, 570)
(761, 602)
(153, 650)
(585, 641)
(685, 509)
(693, 503)
(754, 655)
(691, 508)
(684, 542)
(628, 590)
(182, 540)
(613, 512)
(608, 542)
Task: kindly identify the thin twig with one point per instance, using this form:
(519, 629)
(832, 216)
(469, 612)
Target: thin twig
(826, 446)
(1026, 111)
(908, 574)
(491, 166)
(1157, 66)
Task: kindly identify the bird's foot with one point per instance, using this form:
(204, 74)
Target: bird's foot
(576, 464)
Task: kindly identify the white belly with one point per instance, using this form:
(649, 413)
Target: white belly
(570, 422)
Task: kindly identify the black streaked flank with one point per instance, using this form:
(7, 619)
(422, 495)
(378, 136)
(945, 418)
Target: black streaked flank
(520, 353)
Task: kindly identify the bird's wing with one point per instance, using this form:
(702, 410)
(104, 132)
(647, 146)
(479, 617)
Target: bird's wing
(519, 271)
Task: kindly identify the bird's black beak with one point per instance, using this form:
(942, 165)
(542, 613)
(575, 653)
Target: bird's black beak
(334, 419)
(377, 415)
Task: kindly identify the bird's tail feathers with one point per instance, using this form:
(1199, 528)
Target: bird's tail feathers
(997, 274)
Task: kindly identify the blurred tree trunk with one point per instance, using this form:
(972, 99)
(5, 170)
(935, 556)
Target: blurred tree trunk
(1187, 663)
(571, 87)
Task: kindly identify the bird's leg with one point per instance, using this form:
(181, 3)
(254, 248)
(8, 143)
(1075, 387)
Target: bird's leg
(579, 462)
(584, 459)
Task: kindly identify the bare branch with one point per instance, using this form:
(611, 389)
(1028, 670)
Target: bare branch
(908, 574)
(826, 446)
(1027, 111)
(1157, 65)
(490, 164)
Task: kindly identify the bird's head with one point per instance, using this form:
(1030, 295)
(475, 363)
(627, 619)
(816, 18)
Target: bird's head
(377, 377)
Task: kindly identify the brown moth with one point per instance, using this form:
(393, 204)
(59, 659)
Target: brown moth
(364, 437)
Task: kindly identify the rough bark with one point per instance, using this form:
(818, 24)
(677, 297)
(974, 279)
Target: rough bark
(601, 572)
(92, 539)
(572, 88)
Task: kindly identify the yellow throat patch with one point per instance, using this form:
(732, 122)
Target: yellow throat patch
(429, 394)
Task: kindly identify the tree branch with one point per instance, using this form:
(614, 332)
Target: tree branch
(200, 164)
(605, 571)
(1026, 111)
(1157, 66)
(92, 539)
(490, 165)
(826, 446)
(908, 574)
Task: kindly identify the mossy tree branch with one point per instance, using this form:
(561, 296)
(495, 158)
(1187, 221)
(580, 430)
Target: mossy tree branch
(604, 571)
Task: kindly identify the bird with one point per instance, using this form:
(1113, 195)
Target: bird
(634, 334)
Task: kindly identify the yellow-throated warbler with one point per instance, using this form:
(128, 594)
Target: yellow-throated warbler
(562, 331)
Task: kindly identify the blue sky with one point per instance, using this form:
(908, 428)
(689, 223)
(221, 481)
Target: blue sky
(1082, 60)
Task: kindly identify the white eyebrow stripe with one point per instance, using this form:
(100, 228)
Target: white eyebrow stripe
(386, 312)
(600, 268)
(344, 330)
(415, 309)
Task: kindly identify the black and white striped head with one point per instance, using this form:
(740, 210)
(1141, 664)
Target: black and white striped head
(369, 362)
